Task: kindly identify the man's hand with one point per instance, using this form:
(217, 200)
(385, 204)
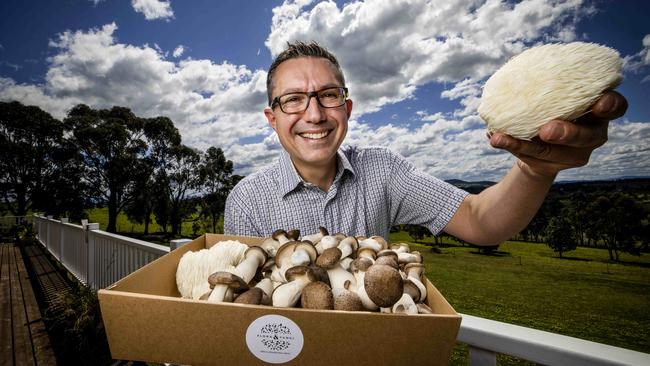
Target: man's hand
(562, 144)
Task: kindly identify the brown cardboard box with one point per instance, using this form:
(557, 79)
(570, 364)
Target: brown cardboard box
(146, 320)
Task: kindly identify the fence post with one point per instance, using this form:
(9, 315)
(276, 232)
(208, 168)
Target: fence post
(48, 241)
(177, 243)
(62, 242)
(90, 242)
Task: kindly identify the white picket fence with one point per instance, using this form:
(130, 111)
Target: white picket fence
(98, 258)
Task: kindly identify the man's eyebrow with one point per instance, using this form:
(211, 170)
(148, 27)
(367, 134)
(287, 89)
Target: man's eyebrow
(300, 90)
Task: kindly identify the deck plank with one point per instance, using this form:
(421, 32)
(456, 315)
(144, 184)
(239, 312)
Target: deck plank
(23, 354)
(6, 336)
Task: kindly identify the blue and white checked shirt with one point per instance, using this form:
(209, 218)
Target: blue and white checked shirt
(373, 190)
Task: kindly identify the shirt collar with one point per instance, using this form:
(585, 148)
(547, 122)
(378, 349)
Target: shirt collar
(289, 179)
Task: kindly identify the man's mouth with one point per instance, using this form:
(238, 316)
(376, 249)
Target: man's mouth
(315, 135)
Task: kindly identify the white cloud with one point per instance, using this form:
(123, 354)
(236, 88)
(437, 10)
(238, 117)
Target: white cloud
(211, 104)
(153, 9)
(178, 51)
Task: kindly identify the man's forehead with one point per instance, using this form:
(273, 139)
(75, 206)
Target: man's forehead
(302, 72)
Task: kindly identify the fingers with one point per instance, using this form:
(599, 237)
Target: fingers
(560, 156)
(565, 133)
(610, 106)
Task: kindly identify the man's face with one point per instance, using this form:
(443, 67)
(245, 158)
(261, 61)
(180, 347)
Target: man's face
(312, 137)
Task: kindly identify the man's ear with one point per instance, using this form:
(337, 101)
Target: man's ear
(348, 107)
(270, 117)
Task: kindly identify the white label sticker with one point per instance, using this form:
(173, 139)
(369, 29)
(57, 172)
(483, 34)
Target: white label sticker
(274, 339)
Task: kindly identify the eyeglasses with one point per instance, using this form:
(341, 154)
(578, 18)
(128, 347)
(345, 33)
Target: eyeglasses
(298, 102)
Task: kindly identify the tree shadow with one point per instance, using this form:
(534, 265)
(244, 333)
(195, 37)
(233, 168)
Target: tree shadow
(633, 264)
(492, 253)
(574, 259)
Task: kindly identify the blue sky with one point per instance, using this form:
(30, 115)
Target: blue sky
(414, 68)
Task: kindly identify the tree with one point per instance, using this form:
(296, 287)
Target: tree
(184, 176)
(617, 221)
(560, 235)
(216, 173)
(111, 143)
(576, 211)
(39, 169)
(417, 232)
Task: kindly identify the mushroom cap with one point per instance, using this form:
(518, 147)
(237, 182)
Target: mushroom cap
(353, 242)
(226, 278)
(309, 248)
(387, 252)
(293, 234)
(414, 269)
(280, 232)
(347, 300)
(323, 230)
(366, 252)
(320, 274)
(283, 254)
(329, 258)
(547, 82)
(253, 296)
(403, 246)
(361, 264)
(423, 308)
(381, 241)
(387, 260)
(259, 251)
(294, 272)
(317, 295)
(383, 284)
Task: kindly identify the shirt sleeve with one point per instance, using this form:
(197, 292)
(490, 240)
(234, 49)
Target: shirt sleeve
(237, 219)
(419, 198)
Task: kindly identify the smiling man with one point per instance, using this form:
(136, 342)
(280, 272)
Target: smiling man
(365, 191)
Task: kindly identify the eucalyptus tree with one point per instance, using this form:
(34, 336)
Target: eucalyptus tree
(39, 169)
(112, 145)
(216, 173)
(184, 177)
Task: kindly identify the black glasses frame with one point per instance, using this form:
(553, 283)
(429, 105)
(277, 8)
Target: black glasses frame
(276, 100)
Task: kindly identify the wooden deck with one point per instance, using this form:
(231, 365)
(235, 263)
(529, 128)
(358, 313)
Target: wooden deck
(23, 339)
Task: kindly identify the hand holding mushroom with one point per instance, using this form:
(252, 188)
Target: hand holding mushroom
(550, 106)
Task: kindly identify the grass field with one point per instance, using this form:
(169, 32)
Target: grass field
(582, 295)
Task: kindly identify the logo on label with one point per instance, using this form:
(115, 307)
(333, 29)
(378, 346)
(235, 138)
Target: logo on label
(274, 339)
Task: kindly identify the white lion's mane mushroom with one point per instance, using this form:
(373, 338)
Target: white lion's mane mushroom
(194, 268)
(547, 82)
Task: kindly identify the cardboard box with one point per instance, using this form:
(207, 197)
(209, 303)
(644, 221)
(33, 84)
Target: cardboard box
(146, 320)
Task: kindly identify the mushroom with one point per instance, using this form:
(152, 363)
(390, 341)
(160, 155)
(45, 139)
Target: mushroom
(367, 252)
(317, 295)
(423, 308)
(387, 257)
(254, 257)
(288, 294)
(315, 238)
(412, 257)
(400, 248)
(553, 81)
(359, 267)
(383, 284)
(223, 285)
(291, 254)
(375, 242)
(348, 246)
(194, 268)
(329, 260)
(345, 299)
(412, 289)
(405, 305)
(253, 296)
(414, 272)
(266, 285)
(326, 242)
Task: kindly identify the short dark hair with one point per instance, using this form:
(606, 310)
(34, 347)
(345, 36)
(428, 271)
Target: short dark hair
(302, 49)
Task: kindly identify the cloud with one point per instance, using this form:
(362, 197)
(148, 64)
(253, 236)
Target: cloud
(637, 62)
(388, 49)
(178, 51)
(153, 9)
(211, 104)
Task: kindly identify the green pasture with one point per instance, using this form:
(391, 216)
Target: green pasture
(583, 295)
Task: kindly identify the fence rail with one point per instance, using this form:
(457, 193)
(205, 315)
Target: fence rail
(98, 259)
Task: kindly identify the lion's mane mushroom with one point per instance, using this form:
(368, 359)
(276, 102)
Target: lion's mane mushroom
(194, 268)
(288, 294)
(548, 82)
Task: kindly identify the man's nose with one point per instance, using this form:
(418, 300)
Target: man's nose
(314, 112)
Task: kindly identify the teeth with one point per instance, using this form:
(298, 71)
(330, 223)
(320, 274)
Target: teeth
(315, 136)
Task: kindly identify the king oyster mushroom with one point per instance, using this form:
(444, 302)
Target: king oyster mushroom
(317, 295)
(288, 294)
(330, 260)
(223, 286)
(359, 267)
(315, 238)
(383, 284)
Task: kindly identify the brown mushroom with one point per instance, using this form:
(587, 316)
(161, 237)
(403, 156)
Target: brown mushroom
(317, 295)
(383, 284)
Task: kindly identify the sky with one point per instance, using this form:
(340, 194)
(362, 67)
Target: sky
(414, 68)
